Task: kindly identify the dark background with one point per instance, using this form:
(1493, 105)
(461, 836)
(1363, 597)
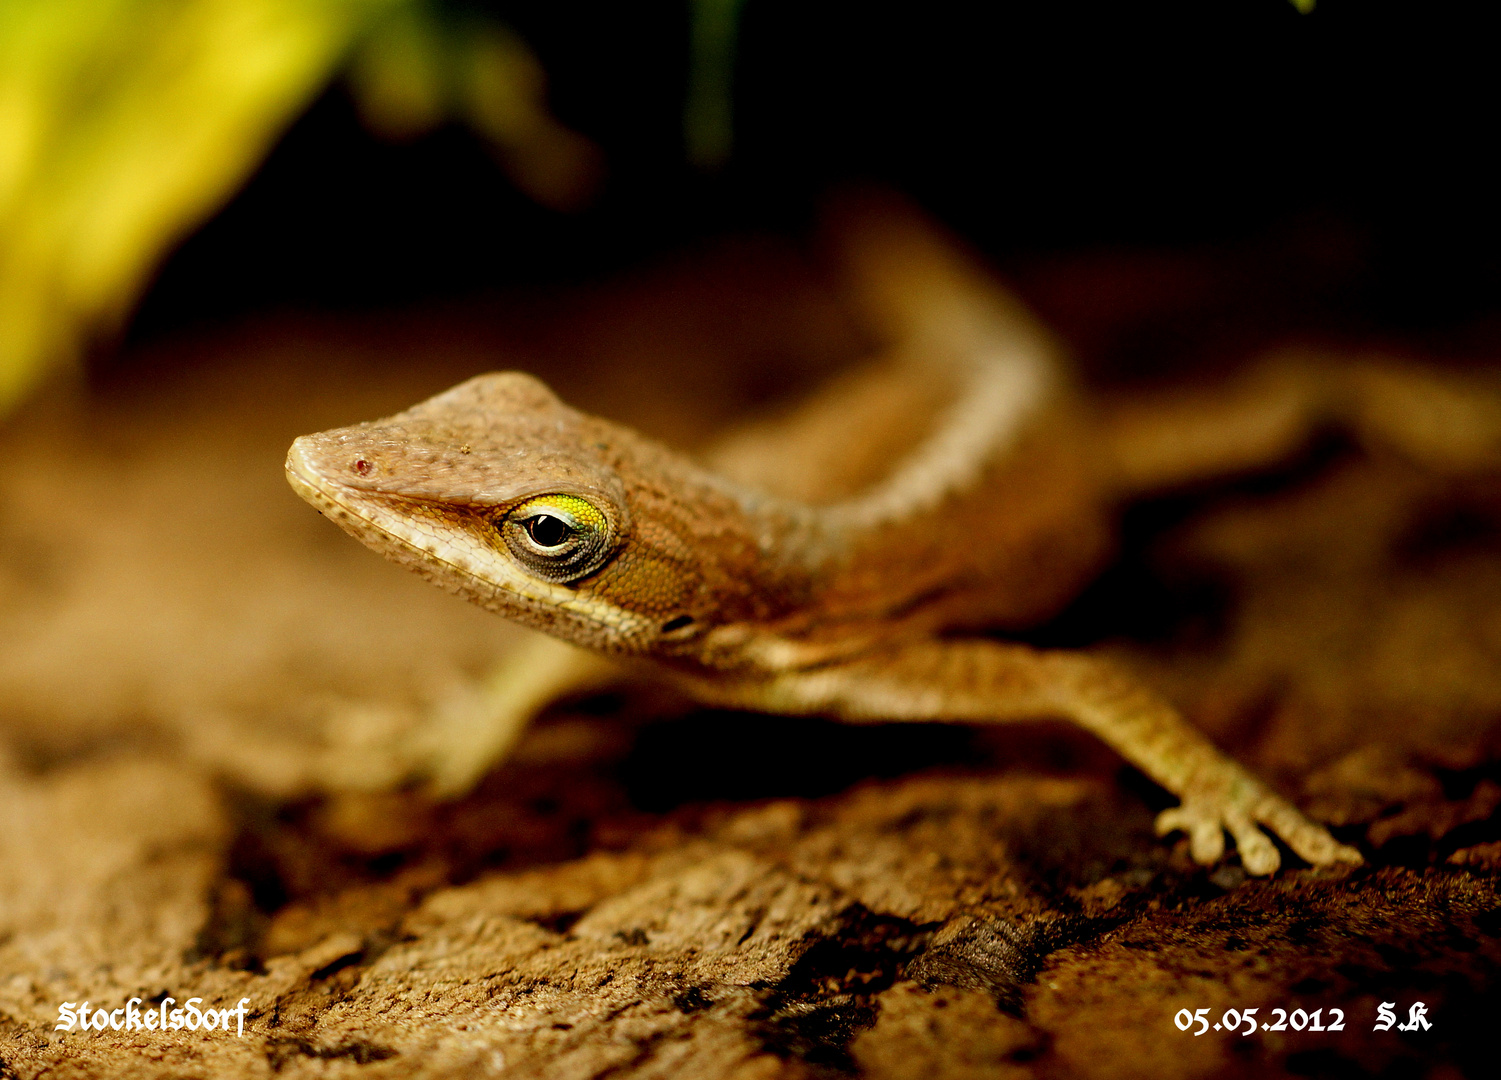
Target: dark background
(1356, 141)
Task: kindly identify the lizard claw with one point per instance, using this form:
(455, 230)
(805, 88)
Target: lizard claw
(1243, 807)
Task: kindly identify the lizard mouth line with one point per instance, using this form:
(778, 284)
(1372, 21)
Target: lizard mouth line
(305, 481)
(325, 495)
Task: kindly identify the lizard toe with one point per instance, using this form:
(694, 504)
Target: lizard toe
(1310, 840)
(1206, 838)
(1258, 854)
(1206, 824)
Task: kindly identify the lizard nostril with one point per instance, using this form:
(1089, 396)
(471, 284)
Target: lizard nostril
(362, 466)
(677, 624)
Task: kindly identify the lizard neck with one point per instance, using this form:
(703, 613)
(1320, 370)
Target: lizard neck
(997, 391)
(832, 578)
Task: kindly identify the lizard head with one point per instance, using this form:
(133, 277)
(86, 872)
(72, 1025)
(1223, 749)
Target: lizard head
(499, 492)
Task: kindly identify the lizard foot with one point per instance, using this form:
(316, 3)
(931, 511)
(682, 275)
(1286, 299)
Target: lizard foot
(1242, 806)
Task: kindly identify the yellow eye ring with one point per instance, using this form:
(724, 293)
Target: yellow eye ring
(558, 537)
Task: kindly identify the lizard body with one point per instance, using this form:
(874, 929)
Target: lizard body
(841, 561)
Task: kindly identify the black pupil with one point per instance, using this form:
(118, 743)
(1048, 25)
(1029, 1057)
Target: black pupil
(547, 531)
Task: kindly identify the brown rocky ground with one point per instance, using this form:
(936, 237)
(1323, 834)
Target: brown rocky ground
(198, 672)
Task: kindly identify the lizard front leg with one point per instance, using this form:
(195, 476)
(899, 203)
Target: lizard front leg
(993, 682)
(473, 730)
(448, 745)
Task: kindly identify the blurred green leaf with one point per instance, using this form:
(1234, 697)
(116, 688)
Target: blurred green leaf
(708, 115)
(419, 68)
(123, 123)
(126, 123)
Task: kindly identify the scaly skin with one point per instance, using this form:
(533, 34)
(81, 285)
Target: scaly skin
(799, 576)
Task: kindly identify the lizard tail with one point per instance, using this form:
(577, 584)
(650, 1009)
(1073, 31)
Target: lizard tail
(945, 318)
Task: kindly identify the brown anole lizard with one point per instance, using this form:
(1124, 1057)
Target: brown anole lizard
(845, 561)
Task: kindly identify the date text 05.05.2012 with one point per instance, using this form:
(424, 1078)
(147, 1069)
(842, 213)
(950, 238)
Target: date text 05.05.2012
(1245, 1020)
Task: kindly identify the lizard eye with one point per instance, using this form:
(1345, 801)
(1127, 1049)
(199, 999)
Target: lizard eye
(547, 531)
(558, 538)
